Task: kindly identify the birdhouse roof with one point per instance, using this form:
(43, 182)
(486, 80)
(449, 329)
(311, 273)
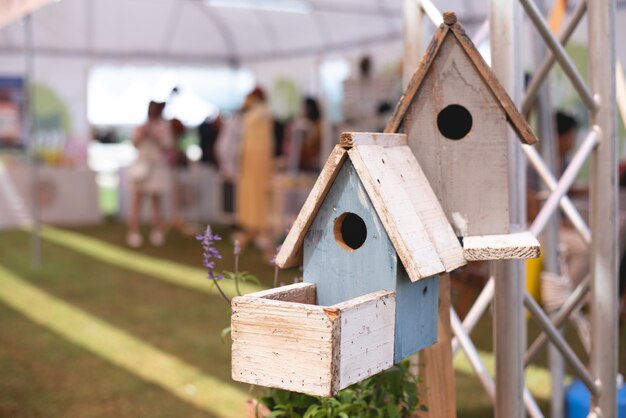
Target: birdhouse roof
(450, 31)
(401, 196)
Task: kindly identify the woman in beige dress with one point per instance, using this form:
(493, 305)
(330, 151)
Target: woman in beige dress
(256, 170)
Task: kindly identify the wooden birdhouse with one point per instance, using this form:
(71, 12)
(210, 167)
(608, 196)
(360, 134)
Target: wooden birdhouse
(387, 215)
(371, 238)
(456, 115)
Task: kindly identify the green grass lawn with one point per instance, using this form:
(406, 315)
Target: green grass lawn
(45, 375)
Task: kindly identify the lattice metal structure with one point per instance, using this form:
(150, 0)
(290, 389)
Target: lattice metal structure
(505, 286)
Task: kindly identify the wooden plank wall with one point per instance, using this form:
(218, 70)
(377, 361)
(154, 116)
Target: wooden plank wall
(468, 175)
(416, 310)
(339, 274)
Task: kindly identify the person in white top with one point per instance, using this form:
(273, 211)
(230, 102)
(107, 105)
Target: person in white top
(150, 174)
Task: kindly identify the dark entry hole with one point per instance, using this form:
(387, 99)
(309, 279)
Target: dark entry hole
(454, 122)
(350, 231)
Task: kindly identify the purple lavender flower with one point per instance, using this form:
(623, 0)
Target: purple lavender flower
(209, 252)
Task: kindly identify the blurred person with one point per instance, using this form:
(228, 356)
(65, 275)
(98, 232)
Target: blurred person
(150, 174)
(256, 171)
(208, 131)
(363, 95)
(178, 162)
(228, 154)
(573, 250)
(305, 139)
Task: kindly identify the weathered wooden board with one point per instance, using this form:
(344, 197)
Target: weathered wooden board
(416, 326)
(297, 292)
(340, 274)
(309, 348)
(444, 34)
(290, 253)
(367, 336)
(409, 209)
(283, 344)
(418, 254)
(520, 245)
(349, 139)
(469, 175)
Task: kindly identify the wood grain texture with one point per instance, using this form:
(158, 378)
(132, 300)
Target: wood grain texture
(408, 209)
(469, 175)
(349, 139)
(417, 188)
(297, 292)
(416, 313)
(309, 348)
(516, 120)
(341, 274)
(395, 122)
(520, 245)
(290, 253)
(281, 344)
(437, 386)
(367, 336)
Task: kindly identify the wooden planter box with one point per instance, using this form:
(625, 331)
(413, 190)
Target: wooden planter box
(282, 339)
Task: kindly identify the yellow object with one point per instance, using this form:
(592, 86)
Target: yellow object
(533, 277)
(256, 171)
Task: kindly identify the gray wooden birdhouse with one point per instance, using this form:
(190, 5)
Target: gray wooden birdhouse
(456, 115)
(381, 225)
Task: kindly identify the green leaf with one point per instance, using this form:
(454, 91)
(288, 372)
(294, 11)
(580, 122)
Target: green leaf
(225, 333)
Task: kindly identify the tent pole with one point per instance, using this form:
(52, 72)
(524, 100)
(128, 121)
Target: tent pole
(509, 319)
(30, 122)
(603, 202)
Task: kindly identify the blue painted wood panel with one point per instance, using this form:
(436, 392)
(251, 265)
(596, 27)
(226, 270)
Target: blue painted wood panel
(417, 312)
(340, 274)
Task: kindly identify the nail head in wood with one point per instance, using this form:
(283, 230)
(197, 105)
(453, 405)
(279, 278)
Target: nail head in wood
(449, 18)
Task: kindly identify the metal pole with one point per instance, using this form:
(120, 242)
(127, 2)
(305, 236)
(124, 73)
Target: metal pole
(559, 318)
(565, 182)
(509, 323)
(548, 61)
(559, 53)
(476, 312)
(566, 204)
(550, 235)
(431, 11)
(560, 343)
(472, 355)
(412, 17)
(603, 203)
(29, 129)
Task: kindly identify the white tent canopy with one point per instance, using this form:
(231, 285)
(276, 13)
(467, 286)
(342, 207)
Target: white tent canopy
(205, 32)
(273, 38)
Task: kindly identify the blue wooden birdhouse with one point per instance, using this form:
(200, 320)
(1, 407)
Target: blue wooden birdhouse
(372, 239)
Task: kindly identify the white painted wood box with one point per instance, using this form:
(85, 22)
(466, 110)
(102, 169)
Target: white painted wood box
(282, 339)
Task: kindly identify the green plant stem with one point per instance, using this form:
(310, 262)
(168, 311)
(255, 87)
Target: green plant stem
(237, 274)
(226, 298)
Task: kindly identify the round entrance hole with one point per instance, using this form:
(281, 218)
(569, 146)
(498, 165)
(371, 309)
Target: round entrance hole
(350, 231)
(454, 122)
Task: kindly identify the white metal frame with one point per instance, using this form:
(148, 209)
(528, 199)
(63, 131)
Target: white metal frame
(508, 392)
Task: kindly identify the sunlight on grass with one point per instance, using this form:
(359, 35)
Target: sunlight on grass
(537, 378)
(155, 366)
(169, 271)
